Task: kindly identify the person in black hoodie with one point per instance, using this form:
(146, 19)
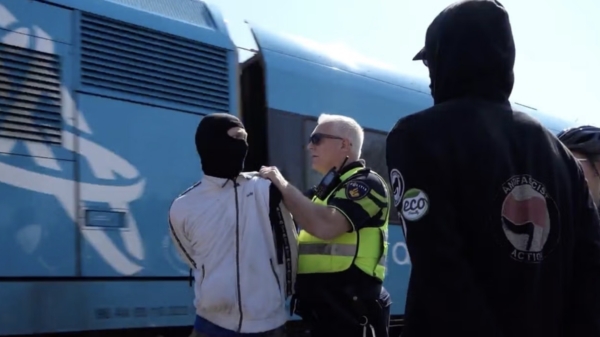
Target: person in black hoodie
(502, 233)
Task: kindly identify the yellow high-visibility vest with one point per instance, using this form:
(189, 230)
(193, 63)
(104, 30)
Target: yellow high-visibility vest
(365, 248)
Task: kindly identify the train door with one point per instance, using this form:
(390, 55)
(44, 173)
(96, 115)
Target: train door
(276, 137)
(254, 111)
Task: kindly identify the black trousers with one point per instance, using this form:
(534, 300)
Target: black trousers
(376, 325)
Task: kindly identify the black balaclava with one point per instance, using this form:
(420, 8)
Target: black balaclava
(221, 155)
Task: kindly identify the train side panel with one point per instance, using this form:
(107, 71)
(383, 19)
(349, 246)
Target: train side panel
(307, 87)
(86, 222)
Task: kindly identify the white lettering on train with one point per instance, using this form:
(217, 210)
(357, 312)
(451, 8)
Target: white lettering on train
(400, 254)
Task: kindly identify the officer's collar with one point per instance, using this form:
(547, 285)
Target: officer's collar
(353, 165)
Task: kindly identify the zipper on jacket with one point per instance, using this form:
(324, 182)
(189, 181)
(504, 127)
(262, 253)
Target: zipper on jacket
(275, 274)
(237, 254)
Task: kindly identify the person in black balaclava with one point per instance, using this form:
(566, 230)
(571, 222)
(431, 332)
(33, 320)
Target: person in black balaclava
(237, 237)
(503, 236)
(222, 155)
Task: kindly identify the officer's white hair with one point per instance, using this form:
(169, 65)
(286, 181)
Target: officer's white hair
(346, 127)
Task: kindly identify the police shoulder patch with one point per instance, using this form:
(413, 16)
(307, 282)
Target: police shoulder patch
(356, 190)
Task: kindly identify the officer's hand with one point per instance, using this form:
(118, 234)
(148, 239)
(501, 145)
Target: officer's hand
(273, 174)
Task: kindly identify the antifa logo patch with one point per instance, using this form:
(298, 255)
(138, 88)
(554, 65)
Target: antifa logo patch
(530, 221)
(356, 190)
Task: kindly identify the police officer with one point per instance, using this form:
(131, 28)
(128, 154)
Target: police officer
(343, 238)
(584, 143)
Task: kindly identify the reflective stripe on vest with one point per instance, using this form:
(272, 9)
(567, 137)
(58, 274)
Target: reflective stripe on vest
(366, 249)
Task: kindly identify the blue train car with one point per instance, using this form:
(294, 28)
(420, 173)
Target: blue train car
(99, 104)
(98, 107)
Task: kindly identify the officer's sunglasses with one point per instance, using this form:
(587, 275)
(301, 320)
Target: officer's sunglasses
(316, 138)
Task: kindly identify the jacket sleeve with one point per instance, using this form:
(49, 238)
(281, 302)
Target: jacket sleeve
(178, 235)
(584, 311)
(441, 284)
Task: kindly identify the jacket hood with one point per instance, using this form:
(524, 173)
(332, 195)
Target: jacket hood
(470, 52)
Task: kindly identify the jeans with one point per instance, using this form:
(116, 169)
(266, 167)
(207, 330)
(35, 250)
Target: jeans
(279, 332)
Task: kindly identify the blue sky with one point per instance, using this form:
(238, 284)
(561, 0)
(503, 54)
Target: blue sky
(558, 58)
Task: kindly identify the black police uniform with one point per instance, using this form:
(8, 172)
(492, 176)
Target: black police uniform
(332, 303)
(503, 236)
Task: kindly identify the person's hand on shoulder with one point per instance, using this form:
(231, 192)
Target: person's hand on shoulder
(273, 174)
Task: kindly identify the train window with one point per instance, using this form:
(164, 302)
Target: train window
(373, 153)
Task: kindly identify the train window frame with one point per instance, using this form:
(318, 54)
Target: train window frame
(374, 141)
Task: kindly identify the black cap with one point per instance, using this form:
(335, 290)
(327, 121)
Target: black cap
(584, 139)
(420, 55)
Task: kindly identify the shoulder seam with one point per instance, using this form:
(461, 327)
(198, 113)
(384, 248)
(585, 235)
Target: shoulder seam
(381, 182)
(189, 188)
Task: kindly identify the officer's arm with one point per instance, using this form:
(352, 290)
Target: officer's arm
(324, 222)
(442, 283)
(584, 311)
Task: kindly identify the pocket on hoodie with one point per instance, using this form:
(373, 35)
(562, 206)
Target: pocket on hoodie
(262, 291)
(217, 293)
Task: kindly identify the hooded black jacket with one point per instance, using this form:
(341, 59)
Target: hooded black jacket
(502, 233)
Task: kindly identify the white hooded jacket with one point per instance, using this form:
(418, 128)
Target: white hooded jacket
(241, 243)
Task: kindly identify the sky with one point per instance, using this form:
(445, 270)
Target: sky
(557, 55)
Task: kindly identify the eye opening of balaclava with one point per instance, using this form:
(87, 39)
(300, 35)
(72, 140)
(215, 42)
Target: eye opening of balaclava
(221, 155)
